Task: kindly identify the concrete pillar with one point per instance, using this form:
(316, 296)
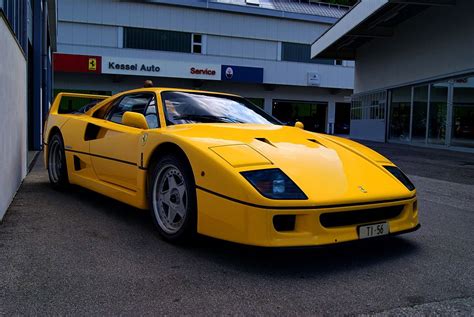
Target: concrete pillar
(267, 106)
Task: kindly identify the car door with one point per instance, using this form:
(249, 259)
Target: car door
(115, 149)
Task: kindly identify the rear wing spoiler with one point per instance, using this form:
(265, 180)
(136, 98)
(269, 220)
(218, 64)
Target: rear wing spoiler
(68, 102)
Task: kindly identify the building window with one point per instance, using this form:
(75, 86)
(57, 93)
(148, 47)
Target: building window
(15, 12)
(369, 107)
(296, 52)
(259, 102)
(159, 40)
(197, 44)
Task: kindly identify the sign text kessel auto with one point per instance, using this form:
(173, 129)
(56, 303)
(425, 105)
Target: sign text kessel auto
(134, 67)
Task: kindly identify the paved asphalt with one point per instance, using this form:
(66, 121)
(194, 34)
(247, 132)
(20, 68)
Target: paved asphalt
(78, 253)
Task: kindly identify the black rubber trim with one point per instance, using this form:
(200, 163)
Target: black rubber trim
(418, 226)
(103, 157)
(300, 207)
(345, 243)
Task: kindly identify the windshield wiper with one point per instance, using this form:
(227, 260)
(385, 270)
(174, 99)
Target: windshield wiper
(206, 118)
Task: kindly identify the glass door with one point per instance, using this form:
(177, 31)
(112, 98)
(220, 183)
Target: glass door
(462, 130)
(400, 105)
(438, 113)
(420, 113)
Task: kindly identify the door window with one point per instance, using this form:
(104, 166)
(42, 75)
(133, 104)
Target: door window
(151, 115)
(134, 103)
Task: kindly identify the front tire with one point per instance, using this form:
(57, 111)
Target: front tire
(57, 169)
(172, 199)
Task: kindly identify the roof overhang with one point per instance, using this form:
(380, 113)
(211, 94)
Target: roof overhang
(367, 20)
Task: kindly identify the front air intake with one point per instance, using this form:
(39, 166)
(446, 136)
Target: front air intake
(284, 223)
(357, 217)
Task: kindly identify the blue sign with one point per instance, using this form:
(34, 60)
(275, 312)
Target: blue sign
(242, 74)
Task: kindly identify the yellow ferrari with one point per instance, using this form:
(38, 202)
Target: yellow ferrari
(217, 165)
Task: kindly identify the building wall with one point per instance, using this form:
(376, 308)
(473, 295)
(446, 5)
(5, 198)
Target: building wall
(244, 48)
(96, 28)
(275, 72)
(372, 130)
(437, 42)
(13, 145)
(155, 16)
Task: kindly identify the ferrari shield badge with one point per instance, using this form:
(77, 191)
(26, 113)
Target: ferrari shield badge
(144, 138)
(362, 189)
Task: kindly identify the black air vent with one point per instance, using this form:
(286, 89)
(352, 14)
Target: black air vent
(316, 141)
(92, 131)
(265, 140)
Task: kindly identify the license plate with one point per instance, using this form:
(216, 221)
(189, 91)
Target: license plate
(370, 231)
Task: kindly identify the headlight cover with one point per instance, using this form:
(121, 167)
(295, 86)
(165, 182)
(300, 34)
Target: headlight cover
(274, 184)
(395, 171)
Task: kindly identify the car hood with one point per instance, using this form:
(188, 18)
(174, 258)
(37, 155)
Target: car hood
(328, 169)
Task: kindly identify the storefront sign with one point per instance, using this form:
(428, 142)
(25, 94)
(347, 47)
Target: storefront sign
(314, 79)
(70, 63)
(162, 68)
(242, 74)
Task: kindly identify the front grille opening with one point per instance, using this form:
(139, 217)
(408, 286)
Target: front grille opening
(284, 222)
(355, 217)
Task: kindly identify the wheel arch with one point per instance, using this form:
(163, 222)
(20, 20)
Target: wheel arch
(53, 131)
(161, 150)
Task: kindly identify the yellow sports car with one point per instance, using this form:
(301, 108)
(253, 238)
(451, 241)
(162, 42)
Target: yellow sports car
(216, 164)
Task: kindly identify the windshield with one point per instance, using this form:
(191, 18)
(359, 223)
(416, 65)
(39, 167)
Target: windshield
(185, 107)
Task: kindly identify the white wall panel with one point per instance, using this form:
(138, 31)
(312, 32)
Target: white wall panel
(240, 47)
(94, 10)
(436, 42)
(87, 34)
(66, 10)
(13, 145)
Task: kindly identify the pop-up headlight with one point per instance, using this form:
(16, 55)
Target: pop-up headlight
(274, 184)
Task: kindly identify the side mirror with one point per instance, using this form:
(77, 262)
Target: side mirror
(299, 124)
(134, 119)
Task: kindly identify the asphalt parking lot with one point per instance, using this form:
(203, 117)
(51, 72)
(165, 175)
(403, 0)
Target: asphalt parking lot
(78, 253)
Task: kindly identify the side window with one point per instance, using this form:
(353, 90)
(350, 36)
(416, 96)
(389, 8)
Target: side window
(135, 103)
(151, 115)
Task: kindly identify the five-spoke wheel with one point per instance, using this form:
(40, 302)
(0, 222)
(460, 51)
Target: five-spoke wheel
(173, 198)
(57, 169)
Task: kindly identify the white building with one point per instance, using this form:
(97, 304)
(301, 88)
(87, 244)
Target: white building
(257, 49)
(27, 39)
(414, 72)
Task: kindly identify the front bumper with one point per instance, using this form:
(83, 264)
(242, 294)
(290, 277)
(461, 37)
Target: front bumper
(230, 220)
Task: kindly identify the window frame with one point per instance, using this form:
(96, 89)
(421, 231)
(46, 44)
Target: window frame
(119, 100)
(197, 44)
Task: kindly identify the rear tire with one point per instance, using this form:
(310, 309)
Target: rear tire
(57, 169)
(172, 199)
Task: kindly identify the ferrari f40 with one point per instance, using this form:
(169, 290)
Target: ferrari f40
(217, 165)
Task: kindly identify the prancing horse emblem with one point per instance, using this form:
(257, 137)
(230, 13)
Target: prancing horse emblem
(362, 189)
(144, 138)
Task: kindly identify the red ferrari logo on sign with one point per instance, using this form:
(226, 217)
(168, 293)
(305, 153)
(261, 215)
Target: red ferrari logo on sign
(92, 64)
